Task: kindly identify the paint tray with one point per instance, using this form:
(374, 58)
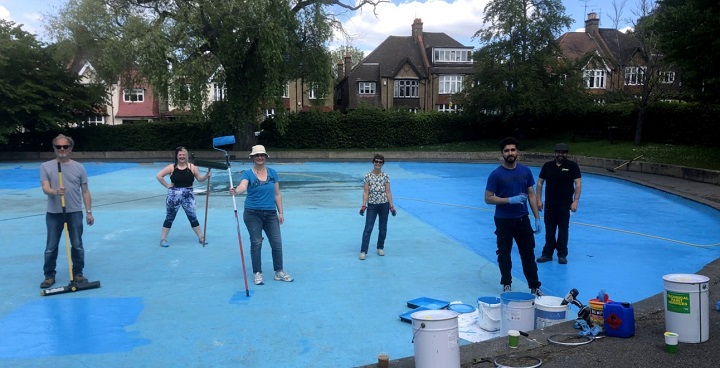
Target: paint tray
(428, 303)
(406, 317)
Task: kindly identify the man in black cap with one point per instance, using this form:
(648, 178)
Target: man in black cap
(564, 184)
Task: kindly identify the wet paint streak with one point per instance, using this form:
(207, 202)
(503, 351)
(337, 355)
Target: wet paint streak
(57, 327)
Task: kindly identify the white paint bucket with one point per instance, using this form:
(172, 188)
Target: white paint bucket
(549, 311)
(517, 312)
(436, 339)
(687, 306)
(489, 313)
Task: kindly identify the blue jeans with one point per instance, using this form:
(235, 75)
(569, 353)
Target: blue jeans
(55, 223)
(380, 210)
(520, 230)
(256, 222)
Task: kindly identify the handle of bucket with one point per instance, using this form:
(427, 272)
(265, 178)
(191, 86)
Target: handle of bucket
(422, 325)
(488, 314)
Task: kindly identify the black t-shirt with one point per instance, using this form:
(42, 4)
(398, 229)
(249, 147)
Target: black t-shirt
(182, 178)
(559, 182)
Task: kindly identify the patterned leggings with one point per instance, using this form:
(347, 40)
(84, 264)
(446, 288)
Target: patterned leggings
(177, 197)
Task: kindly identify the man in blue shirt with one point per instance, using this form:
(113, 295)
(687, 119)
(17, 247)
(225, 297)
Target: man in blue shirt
(510, 188)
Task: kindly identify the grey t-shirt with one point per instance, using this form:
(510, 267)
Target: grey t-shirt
(74, 175)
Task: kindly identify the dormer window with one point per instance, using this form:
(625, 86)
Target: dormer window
(447, 55)
(134, 95)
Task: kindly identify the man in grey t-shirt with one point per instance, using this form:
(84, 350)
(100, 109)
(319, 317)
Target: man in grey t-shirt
(75, 191)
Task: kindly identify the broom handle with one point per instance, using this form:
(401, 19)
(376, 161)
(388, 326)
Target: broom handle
(207, 201)
(65, 225)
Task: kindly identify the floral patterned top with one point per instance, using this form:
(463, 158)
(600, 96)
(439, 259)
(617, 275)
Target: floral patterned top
(376, 187)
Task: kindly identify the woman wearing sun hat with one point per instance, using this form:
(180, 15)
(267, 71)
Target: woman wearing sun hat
(263, 212)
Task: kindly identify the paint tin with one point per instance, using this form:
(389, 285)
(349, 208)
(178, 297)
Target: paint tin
(517, 312)
(686, 306)
(436, 339)
(549, 311)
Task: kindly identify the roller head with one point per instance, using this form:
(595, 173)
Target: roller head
(223, 141)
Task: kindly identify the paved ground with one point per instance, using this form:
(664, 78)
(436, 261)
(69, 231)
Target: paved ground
(646, 348)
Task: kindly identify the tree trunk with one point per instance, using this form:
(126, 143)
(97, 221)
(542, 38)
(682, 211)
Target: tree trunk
(639, 125)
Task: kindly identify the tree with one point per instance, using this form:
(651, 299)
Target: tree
(252, 47)
(518, 71)
(648, 83)
(337, 55)
(37, 92)
(688, 34)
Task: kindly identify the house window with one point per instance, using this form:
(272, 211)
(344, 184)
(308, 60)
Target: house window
(312, 94)
(452, 56)
(451, 107)
(594, 79)
(667, 77)
(134, 95)
(634, 76)
(269, 112)
(286, 90)
(406, 88)
(366, 88)
(219, 92)
(94, 120)
(450, 84)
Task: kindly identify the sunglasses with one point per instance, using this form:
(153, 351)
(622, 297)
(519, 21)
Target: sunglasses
(63, 146)
(379, 161)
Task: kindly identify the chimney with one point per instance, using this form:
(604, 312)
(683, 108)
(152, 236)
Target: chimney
(417, 29)
(348, 63)
(592, 24)
(340, 74)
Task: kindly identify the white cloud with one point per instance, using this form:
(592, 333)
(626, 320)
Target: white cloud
(459, 19)
(4, 13)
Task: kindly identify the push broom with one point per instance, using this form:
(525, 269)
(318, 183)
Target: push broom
(210, 165)
(224, 141)
(624, 163)
(73, 286)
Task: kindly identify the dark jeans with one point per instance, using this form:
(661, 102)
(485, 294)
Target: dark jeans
(55, 223)
(556, 218)
(256, 222)
(375, 210)
(520, 230)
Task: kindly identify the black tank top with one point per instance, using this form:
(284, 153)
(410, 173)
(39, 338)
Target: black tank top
(182, 178)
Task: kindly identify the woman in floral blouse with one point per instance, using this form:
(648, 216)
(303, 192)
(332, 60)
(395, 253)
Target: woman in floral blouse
(377, 200)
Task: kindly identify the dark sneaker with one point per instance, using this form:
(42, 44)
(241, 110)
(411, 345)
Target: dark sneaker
(544, 259)
(536, 291)
(80, 279)
(562, 260)
(49, 281)
(507, 288)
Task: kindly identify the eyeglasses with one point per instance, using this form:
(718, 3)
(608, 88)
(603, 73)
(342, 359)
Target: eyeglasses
(378, 161)
(63, 146)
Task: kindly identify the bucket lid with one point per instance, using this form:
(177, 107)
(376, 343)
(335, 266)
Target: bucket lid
(549, 301)
(516, 296)
(686, 278)
(489, 300)
(434, 315)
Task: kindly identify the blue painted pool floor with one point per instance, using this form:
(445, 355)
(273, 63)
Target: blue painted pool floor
(186, 306)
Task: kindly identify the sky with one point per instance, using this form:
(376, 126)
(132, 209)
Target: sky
(459, 19)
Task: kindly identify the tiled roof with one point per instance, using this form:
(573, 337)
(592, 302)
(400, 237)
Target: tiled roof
(395, 51)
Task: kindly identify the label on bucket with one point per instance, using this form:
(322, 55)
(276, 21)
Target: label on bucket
(678, 302)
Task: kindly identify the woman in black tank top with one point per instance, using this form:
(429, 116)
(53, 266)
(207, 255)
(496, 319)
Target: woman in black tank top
(180, 193)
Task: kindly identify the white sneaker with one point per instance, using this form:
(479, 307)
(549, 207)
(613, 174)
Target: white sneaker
(282, 276)
(362, 256)
(258, 279)
(507, 288)
(381, 252)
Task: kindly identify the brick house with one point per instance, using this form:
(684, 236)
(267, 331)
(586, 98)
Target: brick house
(420, 72)
(614, 61)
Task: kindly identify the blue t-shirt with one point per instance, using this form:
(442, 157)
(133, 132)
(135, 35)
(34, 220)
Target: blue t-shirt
(508, 183)
(260, 194)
